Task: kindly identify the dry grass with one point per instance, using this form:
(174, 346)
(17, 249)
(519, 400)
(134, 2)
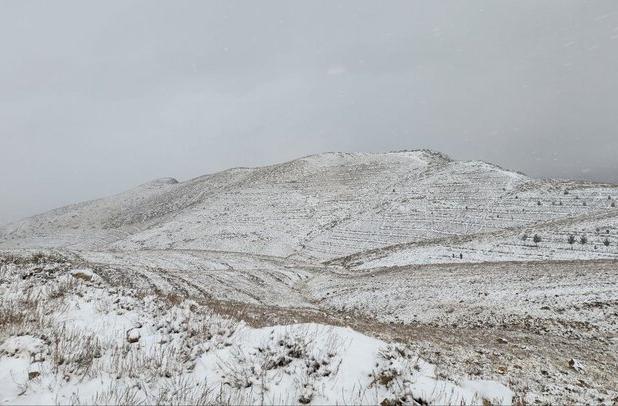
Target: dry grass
(158, 372)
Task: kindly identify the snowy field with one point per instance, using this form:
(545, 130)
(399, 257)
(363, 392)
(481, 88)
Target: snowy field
(69, 337)
(207, 333)
(399, 278)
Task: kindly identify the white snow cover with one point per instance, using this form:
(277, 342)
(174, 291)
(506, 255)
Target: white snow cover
(138, 297)
(348, 362)
(329, 206)
(83, 342)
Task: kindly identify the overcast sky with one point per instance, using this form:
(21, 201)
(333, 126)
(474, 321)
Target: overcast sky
(97, 97)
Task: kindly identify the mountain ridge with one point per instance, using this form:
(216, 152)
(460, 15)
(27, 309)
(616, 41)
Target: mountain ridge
(317, 208)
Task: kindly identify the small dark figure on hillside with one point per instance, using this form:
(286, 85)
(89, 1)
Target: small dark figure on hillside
(583, 240)
(538, 203)
(613, 204)
(571, 240)
(566, 192)
(524, 237)
(560, 203)
(537, 239)
(606, 242)
(460, 255)
(584, 204)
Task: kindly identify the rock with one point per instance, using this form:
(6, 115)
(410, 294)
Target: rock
(306, 396)
(577, 365)
(501, 370)
(502, 341)
(390, 402)
(133, 336)
(83, 274)
(25, 346)
(38, 357)
(33, 375)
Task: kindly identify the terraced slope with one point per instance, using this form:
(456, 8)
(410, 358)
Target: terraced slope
(328, 206)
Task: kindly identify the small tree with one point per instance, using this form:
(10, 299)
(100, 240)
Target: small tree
(606, 242)
(524, 237)
(537, 239)
(571, 240)
(538, 203)
(583, 240)
(613, 204)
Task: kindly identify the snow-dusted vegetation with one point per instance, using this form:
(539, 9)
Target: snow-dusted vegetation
(399, 278)
(68, 336)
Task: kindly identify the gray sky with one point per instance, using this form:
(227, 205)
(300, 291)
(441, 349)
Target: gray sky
(97, 97)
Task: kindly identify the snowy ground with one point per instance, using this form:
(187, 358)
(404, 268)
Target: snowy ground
(593, 236)
(68, 337)
(444, 333)
(334, 205)
(334, 278)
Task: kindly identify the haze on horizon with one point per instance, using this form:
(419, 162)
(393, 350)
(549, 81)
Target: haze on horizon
(98, 97)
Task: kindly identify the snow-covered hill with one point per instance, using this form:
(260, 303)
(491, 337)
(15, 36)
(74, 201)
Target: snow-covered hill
(334, 205)
(202, 291)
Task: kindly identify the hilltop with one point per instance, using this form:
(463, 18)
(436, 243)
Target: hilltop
(337, 206)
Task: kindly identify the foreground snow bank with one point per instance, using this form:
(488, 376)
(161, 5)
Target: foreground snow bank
(67, 337)
(305, 363)
(314, 363)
